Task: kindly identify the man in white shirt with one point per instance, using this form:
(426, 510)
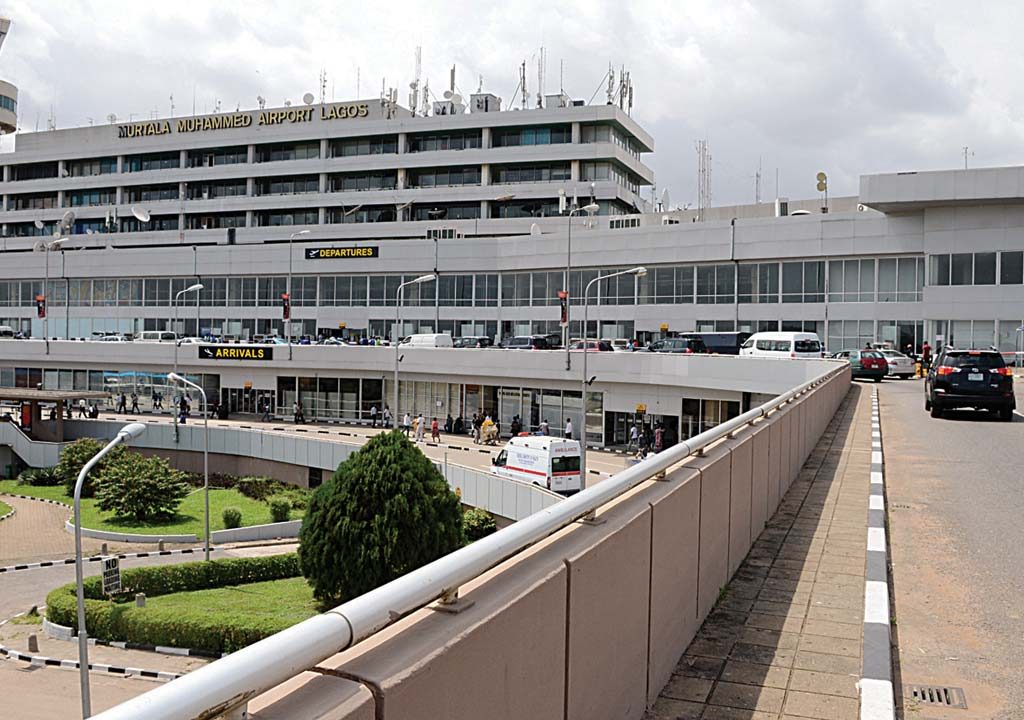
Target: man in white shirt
(407, 424)
(634, 438)
(373, 416)
(568, 429)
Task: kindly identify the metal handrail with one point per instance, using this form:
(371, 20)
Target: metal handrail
(226, 685)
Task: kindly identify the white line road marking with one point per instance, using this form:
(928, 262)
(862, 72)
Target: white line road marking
(876, 477)
(876, 457)
(876, 502)
(876, 602)
(876, 539)
(876, 700)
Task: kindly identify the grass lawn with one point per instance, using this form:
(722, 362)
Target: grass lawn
(188, 520)
(4, 508)
(280, 603)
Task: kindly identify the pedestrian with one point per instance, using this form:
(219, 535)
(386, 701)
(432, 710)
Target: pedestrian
(867, 346)
(135, 403)
(478, 422)
(407, 423)
(158, 401)
(53, 413)
(926, 357)
(387, 416)
(460, 426)
(659, 438)
(297, 412)
(634, 438)
(266, 411)
(568, 428)
(545, 427)
(449, 424)
(644, 444)
(69, 411)
(122, 403)
(420, 426)
(182, 409)
(82, 408)
(94, 412)
(373, 416)
(517, 426)
(435, 431)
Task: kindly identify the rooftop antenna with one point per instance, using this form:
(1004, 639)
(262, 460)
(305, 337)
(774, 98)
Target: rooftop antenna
(480, 85)
(414, 86)
(261, 101)
(561, 76)
(611, 84)
(965, 150)
(216, 106)
(703, 178)
(359, 82)
(757, 182)
(426, 98)
(451, 81)
(522, 83)
(172, 104)
(111, 118)
(323, 86)
(540, 78)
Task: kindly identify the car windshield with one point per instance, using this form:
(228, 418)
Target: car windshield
(980, 360)
(807, 346)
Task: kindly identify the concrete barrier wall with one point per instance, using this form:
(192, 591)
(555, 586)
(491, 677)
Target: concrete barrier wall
(288, 529)
(590, 622)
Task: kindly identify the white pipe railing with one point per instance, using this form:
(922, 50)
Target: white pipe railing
(224, 687)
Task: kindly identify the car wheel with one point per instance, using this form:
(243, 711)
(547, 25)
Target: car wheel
(936, 411)
(1006, 414)
(878, 379)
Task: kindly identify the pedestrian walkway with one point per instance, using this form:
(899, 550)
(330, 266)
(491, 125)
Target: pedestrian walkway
(785, 639)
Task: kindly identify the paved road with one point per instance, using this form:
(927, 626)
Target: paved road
(955, 508)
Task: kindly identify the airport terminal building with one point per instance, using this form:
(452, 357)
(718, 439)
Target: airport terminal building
(352, 198)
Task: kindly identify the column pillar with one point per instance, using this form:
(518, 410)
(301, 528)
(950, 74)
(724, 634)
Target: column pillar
(576, 133)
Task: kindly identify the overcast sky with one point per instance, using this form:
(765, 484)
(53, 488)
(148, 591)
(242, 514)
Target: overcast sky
(797, 86)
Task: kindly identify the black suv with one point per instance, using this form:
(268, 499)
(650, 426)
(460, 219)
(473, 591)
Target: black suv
(677, 345)
(969, 378)
(525, 342)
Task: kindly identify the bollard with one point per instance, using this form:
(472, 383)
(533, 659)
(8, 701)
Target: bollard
(33, 644)
(140, 599)
(160, 546)
(103, 549)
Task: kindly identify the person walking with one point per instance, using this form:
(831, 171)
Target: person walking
(659, 438)
(568, 429)
(82, 412)
(478, 422)
(926, 357)
(420, 426)
(449, 424)
(387, 416)
(266, 411)
(297, 412)
(435, 431)
(407, 423)
(544, 427)
(122, 403)
(135, 403)
(182, 409)
(373, 416)
(634, 438)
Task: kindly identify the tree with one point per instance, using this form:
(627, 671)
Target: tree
(385, 512)
(74, 457)
(478, 523)
(140, 487)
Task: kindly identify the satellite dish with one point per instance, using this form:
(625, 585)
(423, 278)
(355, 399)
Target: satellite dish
(141, 214)
(112, 118)
(447, 94)
(287, 103)
(821, 177)
(456, 98)
(38, 223)
(535, 229)
(69, 217)
(308, 98)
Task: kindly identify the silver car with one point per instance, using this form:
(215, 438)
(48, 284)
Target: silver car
(900, 365)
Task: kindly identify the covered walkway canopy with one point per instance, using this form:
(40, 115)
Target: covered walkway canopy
(31, 419)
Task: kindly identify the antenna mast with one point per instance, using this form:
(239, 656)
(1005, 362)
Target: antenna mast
(757, 182)
(611, 84)
(522, 83)
(540, 78)
(414, 86)
(703, 178)
(323, 84)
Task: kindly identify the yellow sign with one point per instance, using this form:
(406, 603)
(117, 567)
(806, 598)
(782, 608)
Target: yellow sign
(230, 352)
(641, 409)
(368, 251)
(341, 326)
(664, 327)
(247, 384)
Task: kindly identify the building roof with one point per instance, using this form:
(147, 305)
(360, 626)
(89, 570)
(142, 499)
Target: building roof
(30, 394)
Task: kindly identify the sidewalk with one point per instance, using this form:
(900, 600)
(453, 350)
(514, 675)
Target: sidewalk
(785, 639)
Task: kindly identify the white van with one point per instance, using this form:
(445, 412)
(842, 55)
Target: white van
(434, 340)
(783, 344)
(6, 332)
(541, 460)
(156, 336)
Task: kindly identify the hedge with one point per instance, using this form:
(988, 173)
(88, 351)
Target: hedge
(118, 618)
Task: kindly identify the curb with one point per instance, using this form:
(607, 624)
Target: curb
(63, 632)
(4, 517)
(42, 500)
(43, 661)
(877, 701)
(97, 558)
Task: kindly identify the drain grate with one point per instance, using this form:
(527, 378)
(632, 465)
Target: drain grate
(951, 697)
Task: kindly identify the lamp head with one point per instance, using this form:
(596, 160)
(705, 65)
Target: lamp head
(194, 288)
(56, 243)
(131, 431)
(300, 232)
(591, 208)
(175, 377)
(425, 278)
(639, 271)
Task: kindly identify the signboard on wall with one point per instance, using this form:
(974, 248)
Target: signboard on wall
(342, 253)
(236, 352)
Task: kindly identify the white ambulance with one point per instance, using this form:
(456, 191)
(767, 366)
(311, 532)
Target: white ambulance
(541, 460)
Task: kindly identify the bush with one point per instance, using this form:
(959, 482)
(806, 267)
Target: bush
(74, 457)
(258, 488)
(41, 477)
(280, 509)
(477, 523)
(232, 517)
(385, 512)
(118, 619)
(144, 488)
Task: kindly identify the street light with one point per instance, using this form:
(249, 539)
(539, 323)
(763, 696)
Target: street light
(175, 377)
(288, 321)
(590, 210)
(128, 432)
(191, 288)
(47, 248)
(638, 271)
(398, 324)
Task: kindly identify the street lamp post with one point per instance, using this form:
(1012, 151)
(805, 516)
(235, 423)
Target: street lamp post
(638, 271)
(125, 434)
(174, 377)
(591, 208)
(47, 247)
(288, 322)
(191, 288)
(398, 324)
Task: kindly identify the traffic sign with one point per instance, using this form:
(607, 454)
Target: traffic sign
(111, 576)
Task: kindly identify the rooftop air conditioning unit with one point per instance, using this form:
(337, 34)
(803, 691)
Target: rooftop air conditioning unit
(781, 207)
(559, 100)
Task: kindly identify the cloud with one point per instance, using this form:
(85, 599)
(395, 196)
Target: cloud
(799, 86)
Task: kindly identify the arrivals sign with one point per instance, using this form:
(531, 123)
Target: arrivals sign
(235, 352)
(342, 253)
(281, 116)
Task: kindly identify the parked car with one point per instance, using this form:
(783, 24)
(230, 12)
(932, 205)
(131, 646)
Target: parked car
(677, 345)
(525, 342)
(430, 340)
(618, 344)
(977, 379)
(473, 341)
(869, 364)
(592, 346)
(900, 365)
(783, 344)
(156, 336)
(722, 343)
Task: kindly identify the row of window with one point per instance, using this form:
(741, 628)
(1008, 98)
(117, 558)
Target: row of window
(982, 268)
(801, 282)
(342, 147)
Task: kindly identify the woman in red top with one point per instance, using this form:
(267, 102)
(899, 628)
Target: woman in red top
(435, 434)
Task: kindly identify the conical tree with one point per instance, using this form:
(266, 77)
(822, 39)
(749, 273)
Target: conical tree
(385, 512)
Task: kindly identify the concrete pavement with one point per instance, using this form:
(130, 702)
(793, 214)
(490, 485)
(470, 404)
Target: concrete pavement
(785, 638)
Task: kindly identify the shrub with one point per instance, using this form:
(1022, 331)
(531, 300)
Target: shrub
(74, 457)
(41, 477)
(232, 517)
(117, 619)
(258, 488)
(144, 488)
(280, 509)
(385, 512)
(477, 523)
